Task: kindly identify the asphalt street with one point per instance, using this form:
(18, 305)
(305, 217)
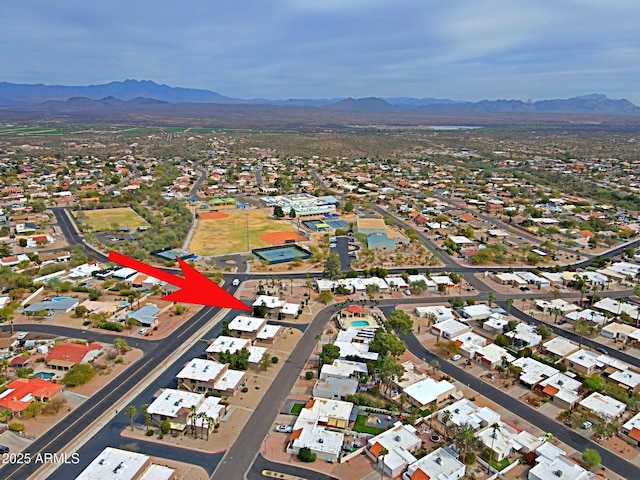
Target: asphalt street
(241, 455)
(571, 438)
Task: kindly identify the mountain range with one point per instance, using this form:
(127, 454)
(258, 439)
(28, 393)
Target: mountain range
(132, 93)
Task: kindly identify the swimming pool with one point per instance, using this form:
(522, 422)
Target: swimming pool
(44, 375)
(359, 323)
(59, 299)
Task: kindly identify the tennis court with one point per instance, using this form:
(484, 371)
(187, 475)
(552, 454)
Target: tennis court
(281, 254)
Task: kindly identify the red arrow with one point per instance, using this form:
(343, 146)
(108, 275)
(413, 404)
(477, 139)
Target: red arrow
(194, 287)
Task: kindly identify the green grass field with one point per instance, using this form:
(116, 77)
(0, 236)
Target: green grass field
(103, 220)
(362, 427)
(229, 235)
(297, 408)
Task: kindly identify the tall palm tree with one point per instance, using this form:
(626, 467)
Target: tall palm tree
(446, 417)
(491, 298)
(383, 453)
(192, 418)
(509, 305)
(433, 407)
(494, 433)
(132, 411)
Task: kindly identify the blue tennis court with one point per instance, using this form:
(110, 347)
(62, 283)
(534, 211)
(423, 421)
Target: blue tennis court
(336, 223)
(281, 254)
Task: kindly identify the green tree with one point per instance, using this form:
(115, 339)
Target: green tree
(544, 331)
(132, 411)
(399, 322)
(495, 428)
(329, 353)
(81, 311)
(594, 383)
(491, 298)
(581, 327)
(348, 207)
(332, 267)
(387, 344)
(325, 297)
(306, 455)
(278, 212)
(292, 213)
(389, 370)
(591, 457)
(435, 365)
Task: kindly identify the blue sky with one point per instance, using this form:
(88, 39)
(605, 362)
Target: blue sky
(458, 49)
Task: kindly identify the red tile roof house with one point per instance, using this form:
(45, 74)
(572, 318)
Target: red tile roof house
(21, 392)
(66, 355)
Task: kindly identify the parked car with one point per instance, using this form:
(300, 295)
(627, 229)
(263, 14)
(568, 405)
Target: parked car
(4, 449)
(587, 425)
(407, 292)
(455, 358)
(284, 428)
(142, 331)
(603, 350)
(236, 282)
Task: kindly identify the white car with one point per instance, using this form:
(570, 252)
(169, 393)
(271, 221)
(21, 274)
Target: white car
(236, 282)
(142, 331)
(284, 428)
(455, 358)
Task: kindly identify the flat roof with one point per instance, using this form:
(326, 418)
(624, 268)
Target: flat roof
(428, 390)
(224, 343)
(561, 346)
(170, 402)
(202, 370)
(113, 462)
(604, 406)
(243, 323)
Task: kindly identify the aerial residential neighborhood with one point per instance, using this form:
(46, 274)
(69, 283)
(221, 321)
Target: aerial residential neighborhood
(412, 327)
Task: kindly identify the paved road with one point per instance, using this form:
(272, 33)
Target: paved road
(571, 438)
(631, 359)
(242, 454)
(262, 464)
(194, 193)
(77, 420)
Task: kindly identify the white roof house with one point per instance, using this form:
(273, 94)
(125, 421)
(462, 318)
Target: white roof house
(588, 315)
(439, 312)
(501, 441)
(380, 283)
(343, 369)
(397, 282)
(603, 406)
(477, 312)
(562, 381)
(492, 355)
(224, 343)
(124, 273)
(469, 343)
(268, 301)
(256, 354)
(440, 464)
(449, 328)
(560, 347)
(399, 441)
(559, 468)
(268, 332)
(431, 285)
(495, 323)
(335, 387)
(426, 391)
(170, 402)
(533, 371)
(124, 465)
(202, 370)
(466, 412)
(618, 330)
(616, 308)
(84, 270)
(632, 428)
(628, 379)
(246, 324)
(525, 335)
(348, 349)
(584, 359)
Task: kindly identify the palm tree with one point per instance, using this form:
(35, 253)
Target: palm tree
(318, 337)
(446, 417)
(433, 407)
(509, 305)
(435, 365)
(582, 327)
(147, 417)
(132, 411)
(192, 418)
(495, 429)
(492, 297)
(383, 453)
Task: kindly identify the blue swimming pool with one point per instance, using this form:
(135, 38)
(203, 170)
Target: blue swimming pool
(59, 299)
(44, 375)
(359, 323)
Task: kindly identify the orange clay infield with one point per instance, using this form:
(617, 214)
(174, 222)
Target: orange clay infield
(212, 215)
(277, 238)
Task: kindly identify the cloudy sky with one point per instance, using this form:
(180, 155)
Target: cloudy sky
(458, 49)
